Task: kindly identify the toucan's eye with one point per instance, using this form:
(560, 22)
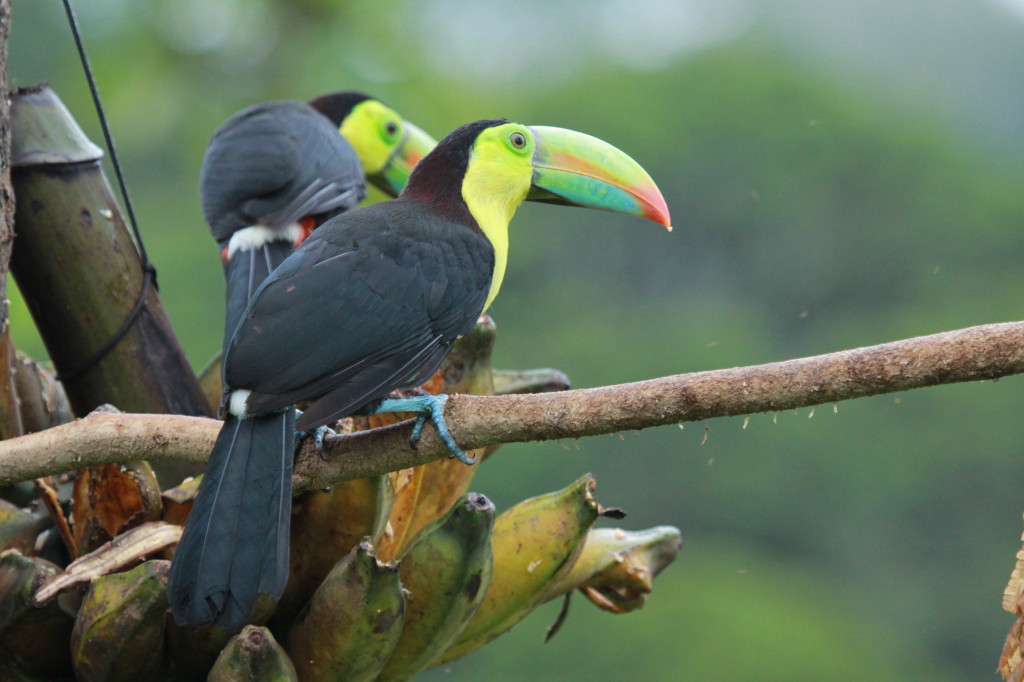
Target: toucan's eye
(391, 128)
(517, 139)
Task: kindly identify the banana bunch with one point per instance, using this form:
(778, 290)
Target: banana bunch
(444, 575)
(388, 576)
(33, 640)
(326, 525)
(535, 543)
(119, 629)
(352, 622)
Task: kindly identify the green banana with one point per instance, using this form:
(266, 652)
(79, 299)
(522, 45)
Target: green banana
(351, 623)
(253, 655)
(193, 652)
(19, 528)
(33, 639)
(326, 525)
(535, 543)
(119, 632)
(616, 569)
(445, 574)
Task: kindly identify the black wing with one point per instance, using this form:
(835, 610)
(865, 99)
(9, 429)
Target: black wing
(274, 163)
(367, 304)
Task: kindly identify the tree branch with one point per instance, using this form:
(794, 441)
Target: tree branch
(972, 354)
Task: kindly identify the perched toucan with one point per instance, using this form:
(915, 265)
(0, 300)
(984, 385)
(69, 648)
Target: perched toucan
(274, 171)
(271, 174)
(384, 290)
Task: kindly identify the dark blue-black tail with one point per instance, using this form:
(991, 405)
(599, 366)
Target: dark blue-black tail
(235, 543)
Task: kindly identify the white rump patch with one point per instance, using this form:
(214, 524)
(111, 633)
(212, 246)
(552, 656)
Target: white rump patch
(236, 404)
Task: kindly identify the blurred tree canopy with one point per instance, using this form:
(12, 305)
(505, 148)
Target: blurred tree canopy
(817, 207)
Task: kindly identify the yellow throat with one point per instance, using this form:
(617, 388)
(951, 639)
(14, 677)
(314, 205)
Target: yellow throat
(493, 187)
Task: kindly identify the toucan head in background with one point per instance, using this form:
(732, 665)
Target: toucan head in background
(485, 170)
(388, 146)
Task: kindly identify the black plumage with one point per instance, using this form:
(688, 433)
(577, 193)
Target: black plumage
(265, 169)
(380, 293)
(273, 164)
(236, 544)
(368, 304)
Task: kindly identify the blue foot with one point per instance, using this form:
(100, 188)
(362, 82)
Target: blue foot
(427, 406)
(318, 436)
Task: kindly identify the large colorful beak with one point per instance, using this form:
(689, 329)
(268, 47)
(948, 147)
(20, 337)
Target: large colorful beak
(579, 170)
(415, 144)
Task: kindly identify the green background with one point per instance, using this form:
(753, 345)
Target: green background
(839, 174)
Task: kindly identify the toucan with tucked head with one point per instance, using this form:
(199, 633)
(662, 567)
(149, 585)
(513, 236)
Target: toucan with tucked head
(386, 289)
(272, 173)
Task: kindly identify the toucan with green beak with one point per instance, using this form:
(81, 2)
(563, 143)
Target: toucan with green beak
(385, 290)
(270, 175)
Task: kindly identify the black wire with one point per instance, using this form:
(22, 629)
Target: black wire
(148, 269)
(106, 135)
(84, 367)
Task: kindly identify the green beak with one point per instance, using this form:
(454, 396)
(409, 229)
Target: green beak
(415, 144)
(579, 170)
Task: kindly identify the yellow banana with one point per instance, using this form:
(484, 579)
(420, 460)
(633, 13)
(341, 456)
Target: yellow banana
(616, 569)
(255, 656)
(445, 574)
(351, 623)
(535, 543)
(326, 525)
(119, 631)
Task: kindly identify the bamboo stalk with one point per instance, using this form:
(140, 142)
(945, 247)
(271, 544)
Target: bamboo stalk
(81, 275)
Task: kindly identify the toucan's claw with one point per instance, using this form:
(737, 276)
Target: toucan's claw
(417, 429)
(318, 434)
(426, 406)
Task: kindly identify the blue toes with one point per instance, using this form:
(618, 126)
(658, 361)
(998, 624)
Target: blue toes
(319, 433)
(431, 406)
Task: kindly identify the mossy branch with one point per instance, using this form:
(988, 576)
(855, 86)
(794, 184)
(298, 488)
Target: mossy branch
(972, 354)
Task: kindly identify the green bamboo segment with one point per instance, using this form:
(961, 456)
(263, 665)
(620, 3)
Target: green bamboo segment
(81, 276)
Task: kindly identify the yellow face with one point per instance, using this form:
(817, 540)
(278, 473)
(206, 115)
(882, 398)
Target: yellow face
(497, 180)
(374, 131)
(499, 173)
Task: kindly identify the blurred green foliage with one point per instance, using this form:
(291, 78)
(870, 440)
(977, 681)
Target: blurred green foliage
(813, 212)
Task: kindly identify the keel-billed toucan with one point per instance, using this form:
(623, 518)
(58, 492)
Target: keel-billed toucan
(272, 173)
(385, 289)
